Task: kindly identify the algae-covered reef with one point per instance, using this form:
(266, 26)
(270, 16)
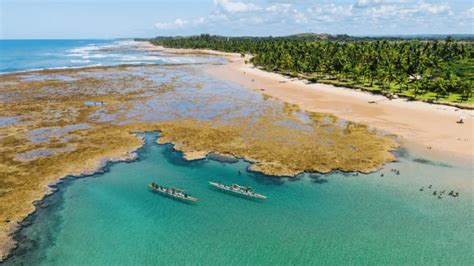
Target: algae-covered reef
(280, 150)
(51, 133)
(55, 123)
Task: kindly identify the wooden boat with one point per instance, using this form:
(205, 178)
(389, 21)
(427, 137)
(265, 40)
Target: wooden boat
(238, 190)
(172, 192)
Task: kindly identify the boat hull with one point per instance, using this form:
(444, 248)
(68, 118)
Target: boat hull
(190, 199)
(235, 193)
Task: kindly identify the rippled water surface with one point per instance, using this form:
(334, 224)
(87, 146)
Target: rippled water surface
(114, 219)
(21, 55)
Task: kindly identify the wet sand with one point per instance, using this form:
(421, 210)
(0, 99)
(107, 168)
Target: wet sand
(425, 127)
(430, 129)
(420, 123)
(64, 132)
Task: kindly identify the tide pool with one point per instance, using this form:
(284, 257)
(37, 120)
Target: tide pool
(112, 218)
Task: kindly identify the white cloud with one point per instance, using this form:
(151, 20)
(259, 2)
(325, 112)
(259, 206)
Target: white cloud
(180, 23)
(279, 8)
(426, 8)
(368, 3)
(299, 17)
(433, 8)
(176, 24)
(404, 11)
(469, 13)
(199, 21)
(262, 16)
(235, 7)
(383, 11)
(332, 9)
(329, 12)
(364, 3)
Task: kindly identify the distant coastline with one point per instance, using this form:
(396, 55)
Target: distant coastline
(86, 136)
(429, 128)
(431, 70)
(365, 37)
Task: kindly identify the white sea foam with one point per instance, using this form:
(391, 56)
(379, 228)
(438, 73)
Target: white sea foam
(139, 57)
(74, 55)
(96, 52)
(80, 61)
(50, 68)
(115, 53)
(180, 60)
(88, 56)
(134, 63)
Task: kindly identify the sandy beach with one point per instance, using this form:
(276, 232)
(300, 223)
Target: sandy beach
(107, 109)
(427, 128)
(352, 121)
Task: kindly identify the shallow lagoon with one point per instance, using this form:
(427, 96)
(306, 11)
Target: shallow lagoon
(114, 219)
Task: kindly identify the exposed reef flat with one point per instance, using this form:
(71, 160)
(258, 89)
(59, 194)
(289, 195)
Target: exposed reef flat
(43, 146)
(51, 133)
(425, 127)
(222, 157)
(280, 150)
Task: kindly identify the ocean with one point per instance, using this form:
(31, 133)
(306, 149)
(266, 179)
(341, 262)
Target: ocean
(113, 218)
(22, 55)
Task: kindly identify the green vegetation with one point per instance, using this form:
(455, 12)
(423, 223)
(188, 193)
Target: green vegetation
(428, 70)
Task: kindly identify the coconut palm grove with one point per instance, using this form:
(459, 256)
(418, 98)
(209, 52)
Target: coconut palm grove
(433, 70)
(236, 132)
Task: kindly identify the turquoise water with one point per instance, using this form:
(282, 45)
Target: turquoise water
(112, 218)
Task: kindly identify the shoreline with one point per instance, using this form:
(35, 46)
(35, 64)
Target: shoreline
(104, 167)
(57, 202)
(91, 67)
(9, 243)
(252, 78)
(427, 128)
(123, 143)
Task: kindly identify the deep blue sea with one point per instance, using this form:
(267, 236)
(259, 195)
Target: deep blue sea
(112, 218)
(21, 55)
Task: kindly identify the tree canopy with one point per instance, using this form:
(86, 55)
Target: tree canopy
(432, 70)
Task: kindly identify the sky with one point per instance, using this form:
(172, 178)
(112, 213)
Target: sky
(82, 19)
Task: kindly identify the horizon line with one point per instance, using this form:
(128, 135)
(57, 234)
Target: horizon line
(188, 35)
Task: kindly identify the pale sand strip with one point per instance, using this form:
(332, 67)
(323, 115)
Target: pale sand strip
(429, 128)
